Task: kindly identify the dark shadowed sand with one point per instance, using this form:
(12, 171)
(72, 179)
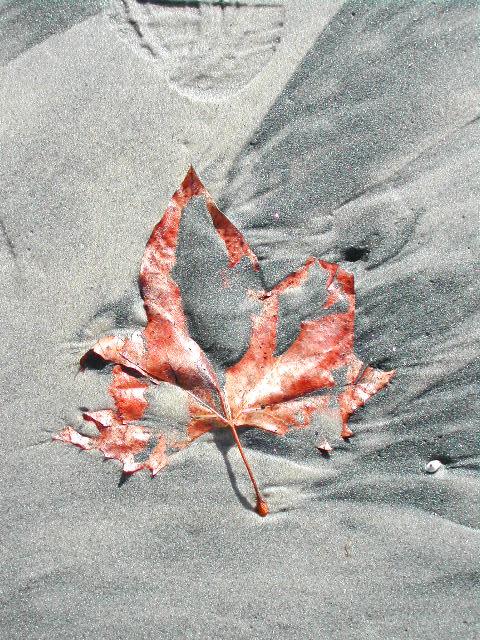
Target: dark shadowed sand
(349, 131)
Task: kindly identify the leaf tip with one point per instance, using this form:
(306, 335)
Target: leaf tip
(346, 432)
(191, 179)
(325, 448)
(130, 466)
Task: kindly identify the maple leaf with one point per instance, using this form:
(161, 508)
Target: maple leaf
(266, 391)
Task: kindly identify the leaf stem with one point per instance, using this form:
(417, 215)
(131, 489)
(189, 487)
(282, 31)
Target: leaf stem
(262, 507)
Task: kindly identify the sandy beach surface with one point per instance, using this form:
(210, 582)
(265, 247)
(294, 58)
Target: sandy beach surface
(345, 130)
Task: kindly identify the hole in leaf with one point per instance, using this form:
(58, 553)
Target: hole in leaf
(145, 453)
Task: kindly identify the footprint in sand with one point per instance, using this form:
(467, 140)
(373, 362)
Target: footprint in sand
(207, 49)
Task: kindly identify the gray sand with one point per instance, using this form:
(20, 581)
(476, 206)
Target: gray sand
(349, 131)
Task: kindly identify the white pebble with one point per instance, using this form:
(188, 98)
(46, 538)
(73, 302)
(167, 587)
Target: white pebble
(433, 466)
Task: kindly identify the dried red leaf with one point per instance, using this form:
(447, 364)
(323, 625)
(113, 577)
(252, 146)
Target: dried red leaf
(324, 447)
(262, 390)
